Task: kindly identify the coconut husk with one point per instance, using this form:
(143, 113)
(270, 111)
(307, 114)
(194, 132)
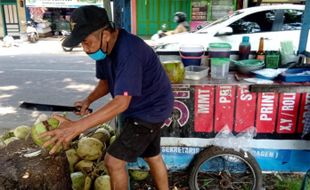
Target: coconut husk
(32, 172)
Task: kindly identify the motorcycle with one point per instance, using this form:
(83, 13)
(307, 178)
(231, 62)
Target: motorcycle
(160, 33)
(32, 33)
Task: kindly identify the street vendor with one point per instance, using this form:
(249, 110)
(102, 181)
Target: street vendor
(131, 72)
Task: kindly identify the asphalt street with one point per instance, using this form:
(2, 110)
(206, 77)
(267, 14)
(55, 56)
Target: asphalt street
(42, 73)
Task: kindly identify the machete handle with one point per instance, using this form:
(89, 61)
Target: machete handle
(78, 108)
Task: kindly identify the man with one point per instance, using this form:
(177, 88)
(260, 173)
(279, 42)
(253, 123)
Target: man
(183, 26)
(131, 72)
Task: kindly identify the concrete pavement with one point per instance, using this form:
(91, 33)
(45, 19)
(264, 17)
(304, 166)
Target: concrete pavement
(49, 45)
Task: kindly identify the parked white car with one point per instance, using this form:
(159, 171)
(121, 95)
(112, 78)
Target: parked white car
(275, 23)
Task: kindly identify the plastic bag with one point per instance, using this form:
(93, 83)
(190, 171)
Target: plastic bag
(225, 138)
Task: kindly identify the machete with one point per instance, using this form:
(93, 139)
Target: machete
(50, 107)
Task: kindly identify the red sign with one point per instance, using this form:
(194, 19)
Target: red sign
(267, 104)
(204, 108)
(224, 106)
(288, 112)
(304, 109)
(245, 109)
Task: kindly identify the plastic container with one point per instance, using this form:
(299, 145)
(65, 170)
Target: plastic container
(296, 75)
(272, 59)
(195, 72)
(219, 50)
(288, 58)
(244, 48)
(191, 54)
(248, 65)
(219, 68)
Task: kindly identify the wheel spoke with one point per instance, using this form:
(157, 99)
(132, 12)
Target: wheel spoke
(226, 170)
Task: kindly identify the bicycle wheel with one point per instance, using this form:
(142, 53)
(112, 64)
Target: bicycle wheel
(218, 168)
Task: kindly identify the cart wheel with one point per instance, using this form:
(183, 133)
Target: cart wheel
(221, 168)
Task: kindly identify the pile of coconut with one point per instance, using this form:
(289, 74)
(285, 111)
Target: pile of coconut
(85, 157)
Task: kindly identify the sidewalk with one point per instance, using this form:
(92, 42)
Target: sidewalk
(49, 45)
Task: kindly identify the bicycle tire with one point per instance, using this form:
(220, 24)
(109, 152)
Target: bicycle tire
(214, 151)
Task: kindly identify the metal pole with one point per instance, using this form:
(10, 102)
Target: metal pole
(107, 6)
(303, 39)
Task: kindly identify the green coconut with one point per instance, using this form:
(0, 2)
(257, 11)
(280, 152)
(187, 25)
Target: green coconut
(174, 70)
(9, 140)
(103, 183)
(42, 127)
(89, 148)
(138, 175)
(87, 183)
(85, 166)
(78, 180)
(109, 128)
(102, 134)
(72, 158)
(22, 132)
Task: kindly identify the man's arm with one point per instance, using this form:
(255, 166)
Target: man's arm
(101, 90)
(71, 129)
(116, 106)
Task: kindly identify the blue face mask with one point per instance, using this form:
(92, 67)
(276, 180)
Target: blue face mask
(99, 54)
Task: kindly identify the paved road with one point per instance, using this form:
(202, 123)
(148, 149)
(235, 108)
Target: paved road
(42, 73)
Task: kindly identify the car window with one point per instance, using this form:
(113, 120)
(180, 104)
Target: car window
(218, 21)
(292, 19)
(253, 23)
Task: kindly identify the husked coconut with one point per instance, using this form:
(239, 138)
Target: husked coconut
(109, 128)
(2, 144)
(103, 183)
(87, 183)
(112, 139)
(72, 158)
(138, 175)
(78, 180)
(42, 117)
(89, 148)
(84, 166)
(9, 140)
(7, 135)
(101, 168)
(102, 134)
(22, 131)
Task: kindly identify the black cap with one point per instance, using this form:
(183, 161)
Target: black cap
(85, 20)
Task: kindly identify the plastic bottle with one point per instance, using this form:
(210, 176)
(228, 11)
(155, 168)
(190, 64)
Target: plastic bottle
(244, 48)
(260, 54)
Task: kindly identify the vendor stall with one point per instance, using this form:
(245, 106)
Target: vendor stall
(268, 121)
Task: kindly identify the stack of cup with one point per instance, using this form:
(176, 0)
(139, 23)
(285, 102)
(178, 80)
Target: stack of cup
(219, 54)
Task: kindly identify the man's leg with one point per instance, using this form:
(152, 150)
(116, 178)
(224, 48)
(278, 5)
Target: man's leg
(158, 171)
(117, 172)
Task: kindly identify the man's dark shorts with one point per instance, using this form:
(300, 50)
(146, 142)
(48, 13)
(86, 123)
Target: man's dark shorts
(137, 139)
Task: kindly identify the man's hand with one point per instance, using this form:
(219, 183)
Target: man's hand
(83, 104)
(62, 136)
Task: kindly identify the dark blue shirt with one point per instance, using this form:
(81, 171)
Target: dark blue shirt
(133, 69)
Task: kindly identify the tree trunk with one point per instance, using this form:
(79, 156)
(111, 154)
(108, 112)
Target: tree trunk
(42, 172)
